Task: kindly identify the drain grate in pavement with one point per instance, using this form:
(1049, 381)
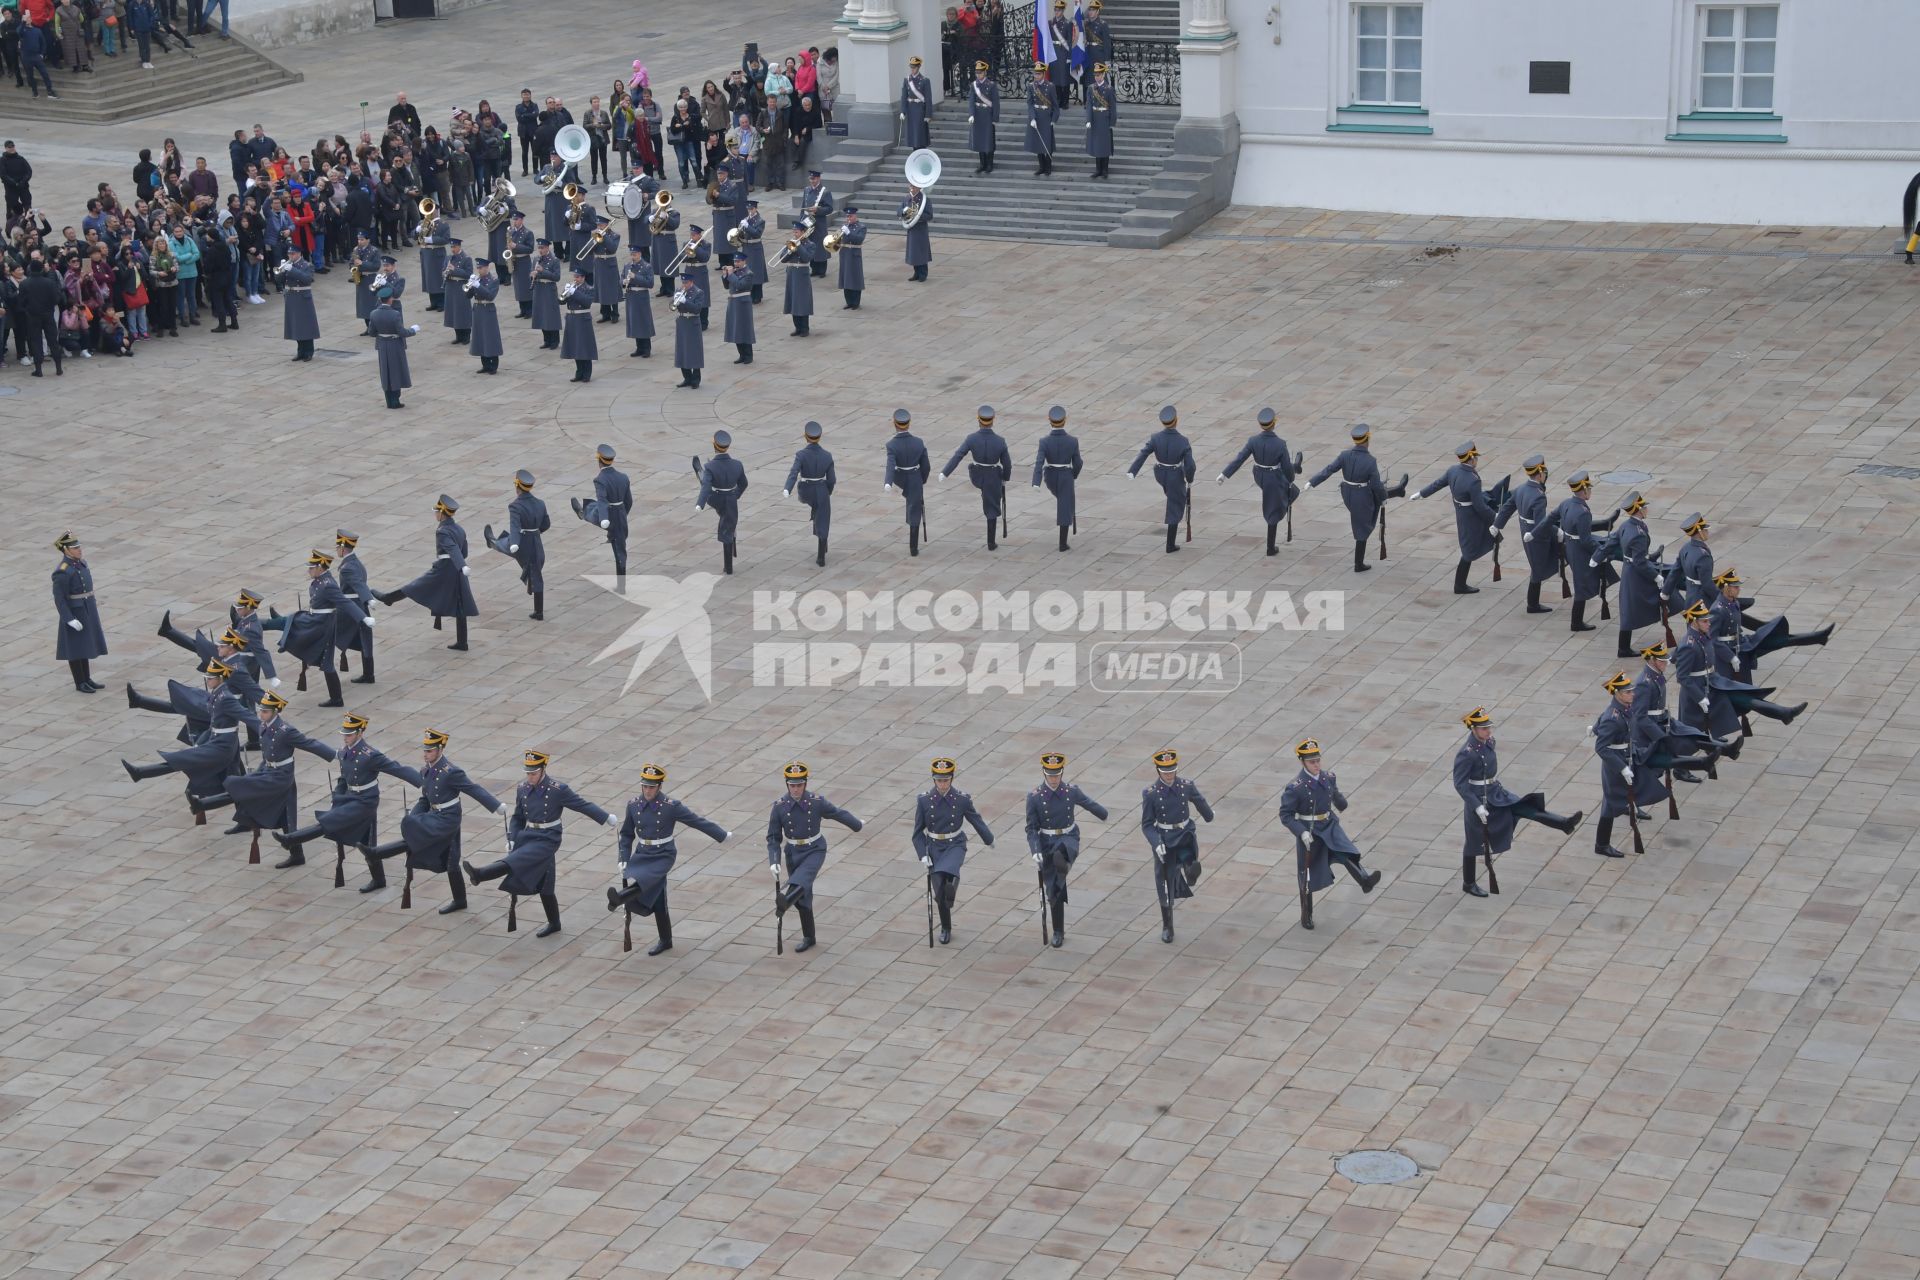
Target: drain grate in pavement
(1372, 1167)
(1881, 469)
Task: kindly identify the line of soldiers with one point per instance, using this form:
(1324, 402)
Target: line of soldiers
(1046, 99)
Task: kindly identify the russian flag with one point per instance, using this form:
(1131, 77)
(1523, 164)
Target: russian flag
(1042, 35)
(1079, 69)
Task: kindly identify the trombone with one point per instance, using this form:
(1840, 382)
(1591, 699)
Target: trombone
(794, 241)
(592, 243)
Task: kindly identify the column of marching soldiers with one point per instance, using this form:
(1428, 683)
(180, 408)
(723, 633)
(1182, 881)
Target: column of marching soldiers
(1648, 738)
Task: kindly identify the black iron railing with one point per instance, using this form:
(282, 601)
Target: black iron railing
(1144, 71)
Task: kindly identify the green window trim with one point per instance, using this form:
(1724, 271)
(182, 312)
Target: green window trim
(1381, 109)
(1379, 128)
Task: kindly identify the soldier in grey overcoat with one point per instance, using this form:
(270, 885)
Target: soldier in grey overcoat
(1475, 519)
(533, 835)
(983, 113)
(430, 830)
(941, 815)
(689, 347)
(523, 242)
(579, 344)
(1057, 465)
(546, 295)
(1539, 530)
(722, 481)
(268, 798)
(612, 500)
(920, 234)
(737, 280)
(457, 302)
(523, 540)
(484, 293)
(1043, 111)
(909, 466)
(1310, 807)
(1640, 594)
(1173, 467)
(989, 467)
(853, 272)
(1492, 812)
(390, 334)
(812, 475)
(1053, 837)
(636, 280)
(1275, 469)
(349, 634)
(1361, 489)
(443, 590)
(78, 636)
(1574, 528)
(366, 257)
(916, 107)
(648, 850)
(797, 847)
(299, 323)
(1103, 111)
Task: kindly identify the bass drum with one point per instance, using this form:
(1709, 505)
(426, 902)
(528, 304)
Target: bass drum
(626, 199)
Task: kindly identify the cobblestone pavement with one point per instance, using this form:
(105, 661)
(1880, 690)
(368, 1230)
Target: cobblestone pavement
(1693, 1063)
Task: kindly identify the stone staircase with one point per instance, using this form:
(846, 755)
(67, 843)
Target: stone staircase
(1139, 19)
(119, 90)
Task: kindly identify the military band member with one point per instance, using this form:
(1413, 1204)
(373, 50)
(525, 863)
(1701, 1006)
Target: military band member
(612, 500)
(636, 280)
(1053, 837)
(648, 850)
(693, 267)
(390, 279)
(457, 301)
(1310, 807)
(732, 194)
(1474, 518)
(1057, 466)
(1103, 108)
(430, 830)
(664, 243)
(1576, 527)
(443, 589)
(812, 474)
(555, 204)
(797, 848)
(546, 295)
(737, 279)
(1099, 37)
(347, 633)
(1690, 577)
(533, 842)
(1730, 618)
(497, 235)
(940, 817)
(853, 271)
(722, 481)
(268, 798)
(521, 240)
(1539, 531)
(1492, 812)
(484, 292)
(909, 466)
(579, 343)
(1361, 489)
(798, 302)
(312, 634)
(366, 261)
(918, 206)
(639, 230)
(1060, 70)
(1173, 467)
(1166, 819)
(523, 541)
(1639, 579)
(752, 228)
(78, 637)
(916, 107)
(607, 286)
(1274, 472)
(214, 752)
(434, 239)
(299, 323)
(816, 202)
(689, 347)
(989, 467)
(983, 113)
(1613, 745)
(390, 333)
(1043, 111)
(353, 816)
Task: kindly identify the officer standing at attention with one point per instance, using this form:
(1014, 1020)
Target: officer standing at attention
(989, 466)
(983, 113)
(853, 272)
(1539, 532)
(637, 281)
(737, 279)
(533, 842)
(1043, 110)
(1310, 807)
(579, 345)
(909, 466)
(940, 816)
(390, 334)
(78, 638)
(1361, 489)
(722, 481)
(916, 106)
(648, 852)
(522, 541)
(353, 817)
(608, 507)
(1103, 111)
(812, 473)
(430, 831)
(1057, 466)
(523, 243)
(1474, 518)
(689, 347)
(797, 848)
(1053, 837)
(457, 303)
(1166, 819)
(1274, 471)
(484, 292)
(1492, 812)
(546, 295)
(1173, 467)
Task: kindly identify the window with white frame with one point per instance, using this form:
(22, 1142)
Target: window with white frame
(1737, 45)
(1386, 54)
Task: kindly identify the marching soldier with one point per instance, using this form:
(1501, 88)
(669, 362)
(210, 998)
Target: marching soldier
(579, 344)
(191, 702)
(1539, 532)
(1053, 837)
(648, 852)
(752, 228)
(522, 541)
(214, 752)
(443, 589)
(940, 817)
(353, 818)
(989, 467)
(533, 842)
(1166, 819)
(816, 202)
(1058, 466)
(1663, 732)
(1173, 467)
(853, 272)
(689, 348)
(299, 323)
(546, 295)
(521, 241)
(797, 848)
(434, 239)
(1492, 812)
(1474, 518)
(366, 262)
(390, 334)
(1639, 579)
(637, 282)
(813, 470)
(1060, 70)
(1613, 744)
(919, 206)
(79, 638)
(1043, 110)
(693, 267)
(665, 244)
(608, 507)
(484, 291)
(1765, 637)
(737, 280)
(457, 301)
(1576, 527)
(722, 481)
(1710, 695)
(1103, 110)
(1690, 577)
(268, 798)
(1361, 488)
(916, 107)
(798, 302)
(244, 617)
(1099, 37)
(348, 634)
(430, 830)
(312, 633)
(909, 466)
(1274, 472)
(983, 113)
(1310, 807)
(607, 286)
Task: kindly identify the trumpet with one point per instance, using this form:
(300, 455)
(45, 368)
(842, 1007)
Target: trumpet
(662, 206)
(566, 290)
(679, 299)
(379, 279)
(285, 266)
(470, 286)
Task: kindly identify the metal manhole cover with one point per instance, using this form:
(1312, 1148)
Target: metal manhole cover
(1371, 1167)
(1627, 475)
(1882, 469)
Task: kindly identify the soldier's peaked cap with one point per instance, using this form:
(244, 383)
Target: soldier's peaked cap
(652, 774)
(1166, 759)
(1265, 418)
(795, 772)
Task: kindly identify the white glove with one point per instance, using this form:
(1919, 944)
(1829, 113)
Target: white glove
(1593, 564)
(1480, 811)
(607, 821)
(903, 115)
(413, 328)
(1705, 705)
(1415, 496)
(927, 862)
(466, 570)
(1158, 852)
(369, 623)
(889, 486)
(74, 623)
(1313, 484)
(786, 493)
(775, 868)
(606, 524)
(1626, 771)
(1526, 537)
(1036, 859)
(275, 682)
(725, 835)
(943, 477)
(515, 547)
(1220, 479)
(1493, 530)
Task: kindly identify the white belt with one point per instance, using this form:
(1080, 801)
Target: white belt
(229, 729)
(448, 804)
(1458, 503)
(483, 302)
(1174, 826)
(1358, 484)
(1059, 464)
(1268, 466)
(747, 294)
(811, 479)
(319, 611)
(276, 764)
(1313, 817)
(365, 786)
(84, 595)
(1059, 831)
(1482, 782)
(1175, 465)
(791, 843)
(1524, 520)
(1613, 747)
(543, 826)
(439, 558)
(654, 844)
(717, 489)
(299, 288)
(940, 835)
(972, 463)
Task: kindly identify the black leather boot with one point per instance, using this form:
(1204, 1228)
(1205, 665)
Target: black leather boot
(664, 923)
(1059, 923)
(1533, 599)
(1166, 923)
(1579, 622)
(1360, 564)
(292, 841)
(551, 905)
(1063, 537)
(366, 668)
(1460, 587)
(1273, 543)
(1361, 876)
(1173, 535)
(458, 888)
(480, 875)
(459, 635)
(141, 772)
(993, 534)
(539, 613)
(944, 886)
(141, 702)
(334, 697)
(1625, 648)
(913, 541)
(820, 554)
(1603, 839)
(807, 936)
(726, 557)
(170, 632)
(376, 870)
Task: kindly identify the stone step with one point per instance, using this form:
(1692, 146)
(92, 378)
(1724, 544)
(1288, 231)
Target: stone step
(119, 89)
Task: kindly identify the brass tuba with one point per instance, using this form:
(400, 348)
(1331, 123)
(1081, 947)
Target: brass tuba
(737, 239)
(831, 241)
